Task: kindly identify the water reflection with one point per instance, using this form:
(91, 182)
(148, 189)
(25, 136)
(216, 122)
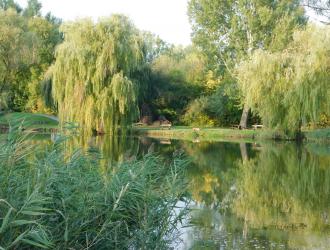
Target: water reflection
(277, 197)
(247, 196)
(284, 187)
(244, 196)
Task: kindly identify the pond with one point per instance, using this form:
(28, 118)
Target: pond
(265, 195)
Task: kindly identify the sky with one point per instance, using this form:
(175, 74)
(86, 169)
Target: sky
(166, 18)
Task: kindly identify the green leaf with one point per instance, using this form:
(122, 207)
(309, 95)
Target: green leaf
(6, 202)
(23, 222)
(33, 213)
(6, 220)
(18, 239)
(36, 244)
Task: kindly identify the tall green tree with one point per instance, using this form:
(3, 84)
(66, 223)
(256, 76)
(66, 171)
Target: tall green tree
(27, 45)
(230, 30)
(177, 77)
(49, 37)
(93, 76)
(18, 52)
(290, 88)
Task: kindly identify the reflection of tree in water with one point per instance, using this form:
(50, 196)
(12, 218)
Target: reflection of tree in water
(279, 197)
(117, 149)
(247, 199)
(285, 187)
(109, 149)
(212, 170)
(213, 230)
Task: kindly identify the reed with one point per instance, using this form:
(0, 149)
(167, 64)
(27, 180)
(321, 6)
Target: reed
(51, 200)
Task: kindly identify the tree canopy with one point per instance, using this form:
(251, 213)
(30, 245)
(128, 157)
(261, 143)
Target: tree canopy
(290, 88)
(229, 31)
(93, 76)
(27, 45)
(177, 77)
(101, 74)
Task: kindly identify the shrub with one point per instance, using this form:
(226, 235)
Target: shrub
(196, 113)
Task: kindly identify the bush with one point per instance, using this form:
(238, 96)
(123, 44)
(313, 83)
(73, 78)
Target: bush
(224, 103)
(196, 113)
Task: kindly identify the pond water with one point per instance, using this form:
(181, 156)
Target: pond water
(267, 195)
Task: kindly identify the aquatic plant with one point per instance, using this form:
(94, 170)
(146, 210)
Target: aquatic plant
(51, 200)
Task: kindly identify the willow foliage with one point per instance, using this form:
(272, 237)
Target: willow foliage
(93, 81)
(290, 88)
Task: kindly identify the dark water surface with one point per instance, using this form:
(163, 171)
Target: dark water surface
(244, 195)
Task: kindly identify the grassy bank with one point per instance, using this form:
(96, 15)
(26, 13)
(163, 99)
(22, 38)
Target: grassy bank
(28, 120)
(53, 199)
(44, 122)
(220, 134)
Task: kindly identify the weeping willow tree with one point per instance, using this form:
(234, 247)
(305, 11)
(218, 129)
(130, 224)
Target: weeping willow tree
(290, 88)
(94, 76)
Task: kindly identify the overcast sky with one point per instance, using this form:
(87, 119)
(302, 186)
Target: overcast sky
(166, 18)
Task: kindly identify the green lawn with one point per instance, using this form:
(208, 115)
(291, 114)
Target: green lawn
(218, 134)
(41, 121)
(28, 120)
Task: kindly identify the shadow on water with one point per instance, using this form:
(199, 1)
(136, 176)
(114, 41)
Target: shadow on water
(243, 195)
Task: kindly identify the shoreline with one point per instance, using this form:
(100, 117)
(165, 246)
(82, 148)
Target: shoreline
(220, 134)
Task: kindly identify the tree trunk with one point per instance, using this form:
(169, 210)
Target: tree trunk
(244, 117)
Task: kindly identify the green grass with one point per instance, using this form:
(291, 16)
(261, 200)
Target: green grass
(56, 199)
(38, 121)
(28, 120)
(219, 134)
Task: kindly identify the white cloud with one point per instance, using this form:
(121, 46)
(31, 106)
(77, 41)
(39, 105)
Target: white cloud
(166, 18)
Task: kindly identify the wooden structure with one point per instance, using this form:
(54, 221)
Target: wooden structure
(256, 126)
(236, 126)
(138, 124)
(166, 125)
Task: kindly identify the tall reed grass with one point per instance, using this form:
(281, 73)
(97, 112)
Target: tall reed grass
(49, 200)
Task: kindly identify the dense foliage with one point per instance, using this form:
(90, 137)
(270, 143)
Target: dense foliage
(229, 31)
(93, 76)
(290, 88)
(176, 79)
(107, 75)
(27, 44)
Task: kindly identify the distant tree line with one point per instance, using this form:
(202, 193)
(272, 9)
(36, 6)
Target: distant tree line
(250, 62)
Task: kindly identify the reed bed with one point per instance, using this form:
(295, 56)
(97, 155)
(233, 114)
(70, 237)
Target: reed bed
(50, 199)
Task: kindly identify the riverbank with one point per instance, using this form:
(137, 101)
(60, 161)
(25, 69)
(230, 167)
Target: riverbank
(44, 123)
(220, 134)
(28, 121)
